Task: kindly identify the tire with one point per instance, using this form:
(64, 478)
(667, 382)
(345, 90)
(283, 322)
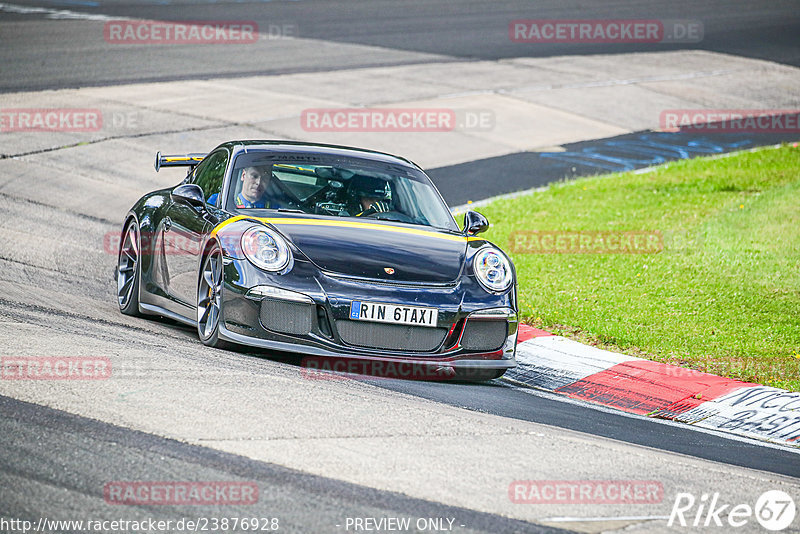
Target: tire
(209, 299)
(129, 271)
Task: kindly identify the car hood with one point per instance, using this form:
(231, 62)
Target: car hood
(396, 253)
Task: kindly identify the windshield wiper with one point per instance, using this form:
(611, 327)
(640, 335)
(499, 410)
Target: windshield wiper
(290, 210)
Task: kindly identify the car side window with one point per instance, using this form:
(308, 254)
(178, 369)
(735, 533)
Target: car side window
(210, 175)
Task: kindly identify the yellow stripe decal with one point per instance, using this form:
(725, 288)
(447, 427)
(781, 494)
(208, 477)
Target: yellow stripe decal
(226, 222)
(278, 221)
(293, 167)
(183, 159)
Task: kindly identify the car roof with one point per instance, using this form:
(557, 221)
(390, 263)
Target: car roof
(320, 148)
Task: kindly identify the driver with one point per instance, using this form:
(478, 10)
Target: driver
(372, 194)
(255, 181)
(257, 190)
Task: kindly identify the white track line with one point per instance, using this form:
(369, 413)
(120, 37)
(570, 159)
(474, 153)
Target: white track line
(56, 14)
(621, 518)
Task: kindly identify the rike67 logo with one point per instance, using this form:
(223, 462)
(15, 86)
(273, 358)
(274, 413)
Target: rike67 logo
(774, 510)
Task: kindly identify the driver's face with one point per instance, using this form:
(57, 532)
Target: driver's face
(254, 183)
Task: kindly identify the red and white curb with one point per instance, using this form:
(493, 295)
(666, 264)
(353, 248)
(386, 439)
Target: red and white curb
(655, 389)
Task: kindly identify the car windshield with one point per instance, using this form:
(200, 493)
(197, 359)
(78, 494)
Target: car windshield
(334, 186)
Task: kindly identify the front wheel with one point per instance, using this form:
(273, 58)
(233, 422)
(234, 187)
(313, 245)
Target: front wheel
(209, 299)
(129, 271)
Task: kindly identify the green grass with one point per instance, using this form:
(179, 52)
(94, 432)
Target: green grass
(723, 296)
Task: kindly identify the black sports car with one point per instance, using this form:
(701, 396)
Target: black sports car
(329, 251)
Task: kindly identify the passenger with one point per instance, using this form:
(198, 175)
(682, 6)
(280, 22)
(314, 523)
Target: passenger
(372, 194)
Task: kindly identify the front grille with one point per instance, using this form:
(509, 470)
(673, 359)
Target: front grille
(390, 336)
(484, 335)
(287, 317)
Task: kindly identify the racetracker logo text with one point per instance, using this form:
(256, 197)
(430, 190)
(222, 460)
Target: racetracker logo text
(584, 242)
(378, 120)
(146, 493)
(586, 492)
(750, 367)
(54, 368)
(174, 243)
(180, 32)
(333, 368)
(731, 120)
(605, 31)
(50, 120)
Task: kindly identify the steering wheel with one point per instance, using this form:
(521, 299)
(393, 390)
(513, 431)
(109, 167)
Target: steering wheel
(313, 198)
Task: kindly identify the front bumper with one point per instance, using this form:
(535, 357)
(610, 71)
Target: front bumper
(307, 312)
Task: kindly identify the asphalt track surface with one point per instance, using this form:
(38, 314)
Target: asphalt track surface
(39, 478)
(39, 53)
(504, 399)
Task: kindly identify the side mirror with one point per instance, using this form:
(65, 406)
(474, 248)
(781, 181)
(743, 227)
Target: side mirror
(190, 194)
(475, 223)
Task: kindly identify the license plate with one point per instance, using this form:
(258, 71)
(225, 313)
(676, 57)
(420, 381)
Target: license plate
(394, 314)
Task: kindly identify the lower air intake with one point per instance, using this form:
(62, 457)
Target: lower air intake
(484, 335)
(390, 336)
(287, 317)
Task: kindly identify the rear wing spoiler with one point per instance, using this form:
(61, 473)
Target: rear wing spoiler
(178, 160)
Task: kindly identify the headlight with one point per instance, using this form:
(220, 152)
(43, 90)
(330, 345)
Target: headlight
(266, 249)
(492, 269)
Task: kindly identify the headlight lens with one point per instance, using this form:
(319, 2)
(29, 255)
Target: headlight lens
(492, 269)
(266, 249)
